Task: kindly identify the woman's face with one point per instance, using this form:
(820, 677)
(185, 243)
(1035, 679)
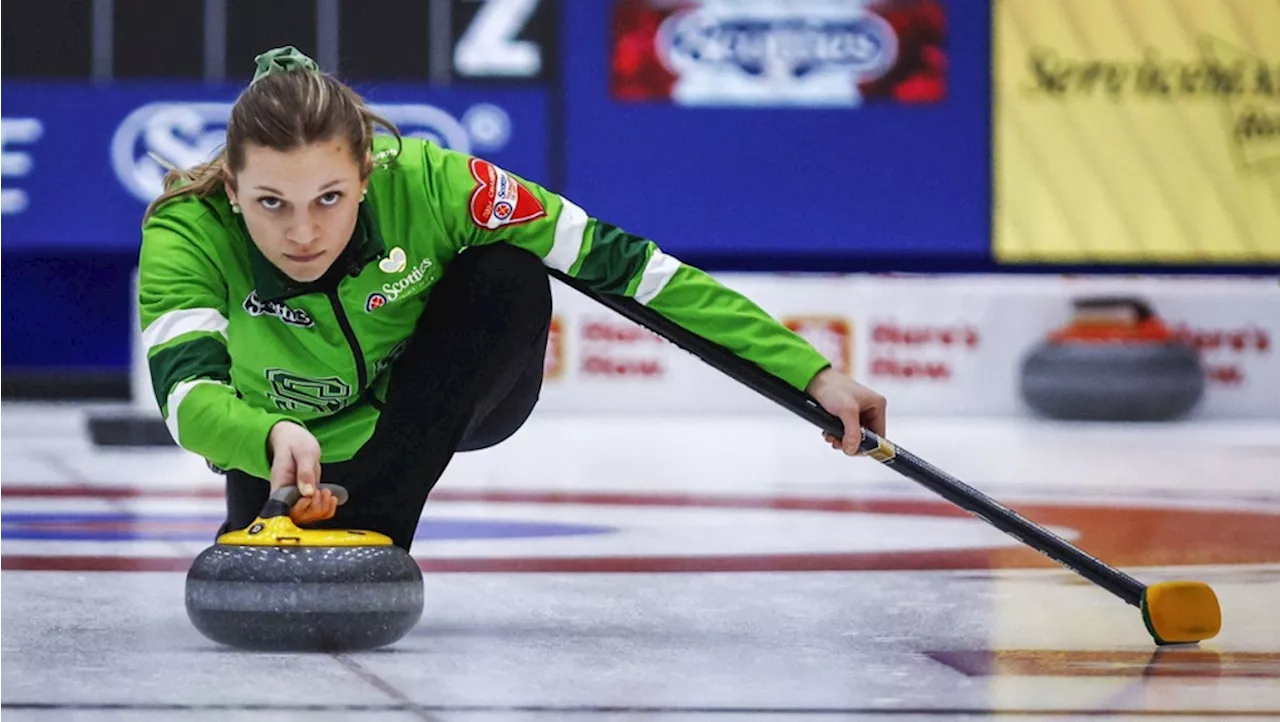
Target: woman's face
(300, 206)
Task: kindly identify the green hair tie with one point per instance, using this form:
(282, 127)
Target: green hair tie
(282, 60)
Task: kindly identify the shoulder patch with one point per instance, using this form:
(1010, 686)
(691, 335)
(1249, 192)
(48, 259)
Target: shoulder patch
(499, 200)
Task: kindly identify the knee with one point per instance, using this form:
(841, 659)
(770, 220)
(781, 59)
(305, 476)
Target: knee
(503, 273)
(490, 435)
(503, 422)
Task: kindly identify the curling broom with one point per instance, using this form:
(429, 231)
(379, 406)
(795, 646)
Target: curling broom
(1175, 612)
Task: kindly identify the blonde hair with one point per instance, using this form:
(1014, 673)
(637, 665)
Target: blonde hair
(281, 111)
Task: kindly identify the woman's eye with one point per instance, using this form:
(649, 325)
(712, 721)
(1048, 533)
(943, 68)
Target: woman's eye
(270, 204)
(330, 199)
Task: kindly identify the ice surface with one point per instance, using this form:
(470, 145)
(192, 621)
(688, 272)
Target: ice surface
(887, 644)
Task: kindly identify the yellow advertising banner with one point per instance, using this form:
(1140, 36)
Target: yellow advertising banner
(1136, 131)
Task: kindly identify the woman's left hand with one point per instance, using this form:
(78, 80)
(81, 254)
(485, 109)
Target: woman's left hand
(856, 406)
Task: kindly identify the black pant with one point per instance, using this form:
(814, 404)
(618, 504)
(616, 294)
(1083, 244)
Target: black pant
(467, 380)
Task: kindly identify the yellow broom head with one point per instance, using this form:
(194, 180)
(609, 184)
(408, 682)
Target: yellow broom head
(1181, 612)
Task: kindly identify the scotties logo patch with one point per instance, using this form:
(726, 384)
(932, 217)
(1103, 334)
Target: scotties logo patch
(499, 199)
(292, 316)
(374, 302)
(394, 262)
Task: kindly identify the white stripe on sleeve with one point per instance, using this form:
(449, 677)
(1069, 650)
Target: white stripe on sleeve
(571, 227)
(176, 397)
(657, 273)
(187, 320)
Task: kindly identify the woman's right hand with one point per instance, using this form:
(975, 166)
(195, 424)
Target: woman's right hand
(295, 460)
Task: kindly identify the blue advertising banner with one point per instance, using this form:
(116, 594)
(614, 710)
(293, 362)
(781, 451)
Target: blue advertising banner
(77, 170)
(835, 131)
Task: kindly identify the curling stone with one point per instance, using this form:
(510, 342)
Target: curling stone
(277, 587)
(1115, 362)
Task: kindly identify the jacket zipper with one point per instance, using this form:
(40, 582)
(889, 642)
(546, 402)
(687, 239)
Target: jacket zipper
(362, 374)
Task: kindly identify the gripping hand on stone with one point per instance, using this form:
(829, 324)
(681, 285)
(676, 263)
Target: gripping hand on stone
(295, 460)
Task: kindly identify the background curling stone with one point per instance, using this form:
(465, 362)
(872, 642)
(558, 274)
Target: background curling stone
(276, 587)
(1115, 361)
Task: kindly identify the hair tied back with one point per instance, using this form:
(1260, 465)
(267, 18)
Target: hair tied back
(287, 59)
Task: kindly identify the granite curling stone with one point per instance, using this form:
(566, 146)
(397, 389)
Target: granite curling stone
(277, 587)
(1133, 369)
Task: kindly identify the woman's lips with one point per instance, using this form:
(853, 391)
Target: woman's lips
(303, 258)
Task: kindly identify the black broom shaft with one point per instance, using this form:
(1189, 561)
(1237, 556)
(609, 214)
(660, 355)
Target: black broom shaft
(904, 462)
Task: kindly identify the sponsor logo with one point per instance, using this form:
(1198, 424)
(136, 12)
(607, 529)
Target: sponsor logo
(292, 316)
(620, 349)
(16, 164)
(374, 302)
(415, 281)
(619, 332)
(893, 334)
(553, 362)
(919, 351)
(499, 199)
(1237, 340)
(832, 336)
(502, 211)
(394, 262)
(1226, 352)
(908, 369)
(791, 46)
(1196, 82)
(779, 52)
(187, 134)
(597, 365)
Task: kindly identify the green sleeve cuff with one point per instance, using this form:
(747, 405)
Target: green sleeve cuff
(253, 457)
(800, 374)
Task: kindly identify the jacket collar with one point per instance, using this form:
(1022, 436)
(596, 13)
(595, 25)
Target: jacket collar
(271, 284)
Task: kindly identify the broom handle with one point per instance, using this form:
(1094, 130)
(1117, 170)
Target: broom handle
(904, 462)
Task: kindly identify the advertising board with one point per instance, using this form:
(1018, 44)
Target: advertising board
(78, 159)
(1136, 131)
